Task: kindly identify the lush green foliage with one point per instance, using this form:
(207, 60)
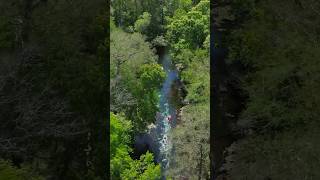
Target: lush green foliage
(135, 82)
(136, 77)
(188, 35)
(152, 76)
(142, 24)
(122, 165)
(194, 132)
(126, 14)
(175, 6)
(187, 30)
(134, 74)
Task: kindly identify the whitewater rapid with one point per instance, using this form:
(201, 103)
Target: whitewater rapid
(166, 117)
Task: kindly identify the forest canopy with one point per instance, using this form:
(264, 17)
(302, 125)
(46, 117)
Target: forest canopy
(274, 47)
(53, 89)
(139, 31)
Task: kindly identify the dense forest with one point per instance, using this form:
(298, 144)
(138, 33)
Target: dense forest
(53, 89)
(140, 32)
(54, 77)
(269, 54)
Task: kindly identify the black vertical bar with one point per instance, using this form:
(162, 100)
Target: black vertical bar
(213, 89)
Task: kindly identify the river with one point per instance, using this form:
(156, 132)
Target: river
(167, 115)
(157, 140)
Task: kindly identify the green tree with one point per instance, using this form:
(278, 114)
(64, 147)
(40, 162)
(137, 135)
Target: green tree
(188, 36)
(151, 76)
(188, 30)
(143, 169)
(122, 165)
(134, 74)
(193, 132)
(142, 24)
(171, 6)
(119, 144)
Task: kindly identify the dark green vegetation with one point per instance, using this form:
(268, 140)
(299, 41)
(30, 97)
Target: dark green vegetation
(53, 89)
(137, 29)
(135, 81)
(10, 172)
(188, 36)
(276, 44)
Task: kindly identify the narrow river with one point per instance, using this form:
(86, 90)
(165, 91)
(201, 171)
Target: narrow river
(167, 115)
(157, 140)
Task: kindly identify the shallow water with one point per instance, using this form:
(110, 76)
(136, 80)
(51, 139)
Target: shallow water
(166, 117)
